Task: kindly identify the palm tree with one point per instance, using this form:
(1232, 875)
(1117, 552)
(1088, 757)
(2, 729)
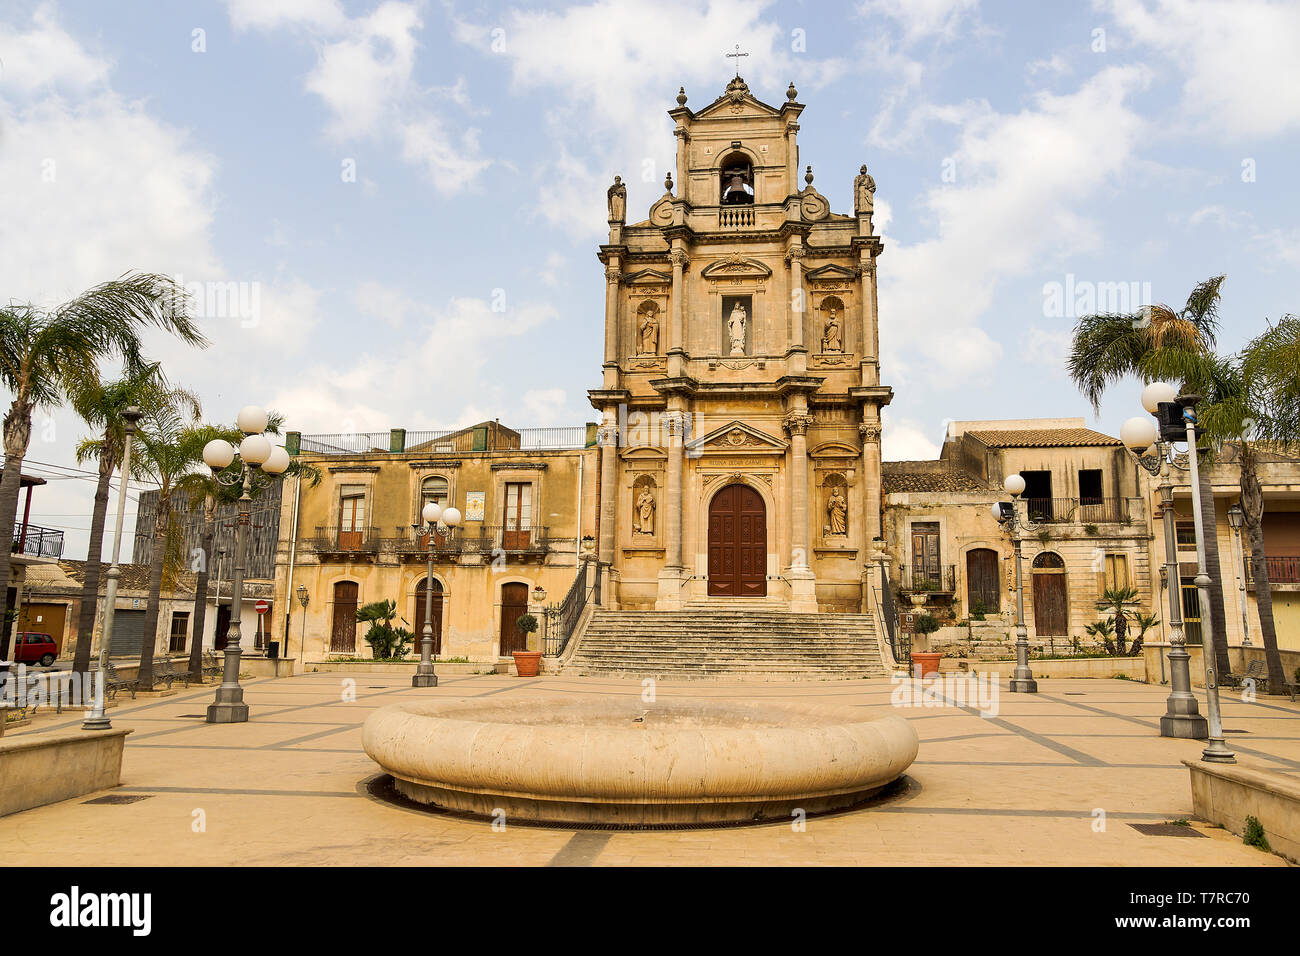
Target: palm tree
(1101, 632)
(1144, 622)
(1256, 409)
(1151, 344)
(100, 404)
(46, 354)
(1115, 599)
(168, 451)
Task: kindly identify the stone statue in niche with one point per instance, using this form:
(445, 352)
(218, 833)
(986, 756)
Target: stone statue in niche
(645, 512)
(648, 331)
(837, 511)
(864, 192)
(736, 329)
(617, 196)
(832, 337)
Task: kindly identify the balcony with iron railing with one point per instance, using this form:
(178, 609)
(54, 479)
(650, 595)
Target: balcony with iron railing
(33, 541)
(521, 542)
(447, 545)
(1078, 510)
(1282, 570)
(928, 580)
(340, 543)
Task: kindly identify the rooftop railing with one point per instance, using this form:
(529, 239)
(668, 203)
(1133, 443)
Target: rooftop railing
(485, 438)
(37, 542)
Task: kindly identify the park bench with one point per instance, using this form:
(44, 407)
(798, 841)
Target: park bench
(1255, 671)
(166, 674)
(211, 666)
(113, 682)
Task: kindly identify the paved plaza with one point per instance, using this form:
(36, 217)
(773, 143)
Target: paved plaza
(1055, 778)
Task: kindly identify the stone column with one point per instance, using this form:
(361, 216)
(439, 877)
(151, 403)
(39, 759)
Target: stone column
(612, 276)
(607, 438)
(798, 309)
(800, 574)
(670, 577)
(676, 323)
(869, 430)
(870, 327)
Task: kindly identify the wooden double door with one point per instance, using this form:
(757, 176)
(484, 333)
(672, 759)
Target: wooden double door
(737, 543)
(514, 605)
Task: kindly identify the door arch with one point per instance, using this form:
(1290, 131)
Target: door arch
(737, 543)
(514, 605)
(343, 624)
(1051, 596)
(421, 592)
(982, 584)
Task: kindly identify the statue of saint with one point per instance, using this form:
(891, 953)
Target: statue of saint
(736, 329)
(648, 331)
(864, 193)
(645, 513)
(617, 197)
(832, 339)
(836, 510)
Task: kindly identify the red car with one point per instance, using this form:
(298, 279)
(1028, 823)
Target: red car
(30, 647)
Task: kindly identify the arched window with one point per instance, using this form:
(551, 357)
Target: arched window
(736, 180)
(1049, 559)
(433, 489)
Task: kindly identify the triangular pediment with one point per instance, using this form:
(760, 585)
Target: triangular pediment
(830, 272)
(738, 101)
(647, 277)
(735, 265)
(737, 437)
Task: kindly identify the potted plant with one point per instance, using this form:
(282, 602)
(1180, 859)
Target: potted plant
(527, 663)
(924, 663)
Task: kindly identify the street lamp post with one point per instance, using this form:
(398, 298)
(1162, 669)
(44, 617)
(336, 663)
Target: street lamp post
(1154, 449)
(304, 598)
(255, 450)
(97, 719)
(433, 514)
(1008, 514)
(1237, 518)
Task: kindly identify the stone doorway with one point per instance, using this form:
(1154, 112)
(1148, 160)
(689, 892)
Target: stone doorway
(737, 543)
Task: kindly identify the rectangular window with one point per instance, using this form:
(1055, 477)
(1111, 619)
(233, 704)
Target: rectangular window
(180, 625)
(1038, 494)
(1089, 486)
(352, 516)
(1185, 533)
(1191, 611)
(1114, 574)
(518, 515)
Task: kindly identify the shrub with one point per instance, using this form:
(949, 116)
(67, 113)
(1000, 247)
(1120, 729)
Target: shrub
(1254, 834)
(926, 624)
(527, 623)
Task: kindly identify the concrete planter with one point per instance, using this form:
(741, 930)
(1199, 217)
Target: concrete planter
(1228, 793)
(39, 769)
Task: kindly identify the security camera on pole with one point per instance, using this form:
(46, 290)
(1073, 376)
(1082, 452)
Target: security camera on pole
(254, 451)
(1007, 513)
(1154, 449)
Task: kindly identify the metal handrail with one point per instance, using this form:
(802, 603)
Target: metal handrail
(566, 614)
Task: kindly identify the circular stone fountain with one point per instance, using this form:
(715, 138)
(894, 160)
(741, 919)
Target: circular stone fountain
(622, 761)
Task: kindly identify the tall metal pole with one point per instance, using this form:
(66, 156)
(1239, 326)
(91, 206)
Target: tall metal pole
(1022, 678)
(1182, 717)
(97, 719)
(424, 674)
(229, 707)
(1216, 751)
(1241, 589)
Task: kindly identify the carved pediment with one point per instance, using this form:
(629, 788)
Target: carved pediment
(834, 450)
(647, 277)
(734, 266)
(737, 437)
(643, 453)
(830, 273)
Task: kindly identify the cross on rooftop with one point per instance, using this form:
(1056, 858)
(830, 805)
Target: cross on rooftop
(736, 56)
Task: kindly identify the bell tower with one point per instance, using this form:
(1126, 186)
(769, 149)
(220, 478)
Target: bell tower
(741, 349)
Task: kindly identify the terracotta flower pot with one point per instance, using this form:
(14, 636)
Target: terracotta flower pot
(527, 663)
(923, 665)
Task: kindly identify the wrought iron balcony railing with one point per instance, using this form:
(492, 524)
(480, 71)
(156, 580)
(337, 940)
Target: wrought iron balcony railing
(929, 580)
(341, 541)
(452, 541)
(495, 539)
(36, 542)
(1282, 569)
(1077, 510)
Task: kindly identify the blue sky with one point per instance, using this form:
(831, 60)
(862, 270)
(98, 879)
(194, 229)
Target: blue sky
(410, 194)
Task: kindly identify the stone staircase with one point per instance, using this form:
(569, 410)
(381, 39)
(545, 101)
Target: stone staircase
(727, 641)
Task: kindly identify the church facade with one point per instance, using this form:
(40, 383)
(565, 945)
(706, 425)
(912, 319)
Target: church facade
(741, 389)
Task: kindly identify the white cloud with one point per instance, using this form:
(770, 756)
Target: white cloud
(547, 406)
(1021, 178)
(905, 440)
(46, 56)
(365, 76)
(922, 19)
(1280, 245)
(1238, 58)
(1047, 346)
(616, 66)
